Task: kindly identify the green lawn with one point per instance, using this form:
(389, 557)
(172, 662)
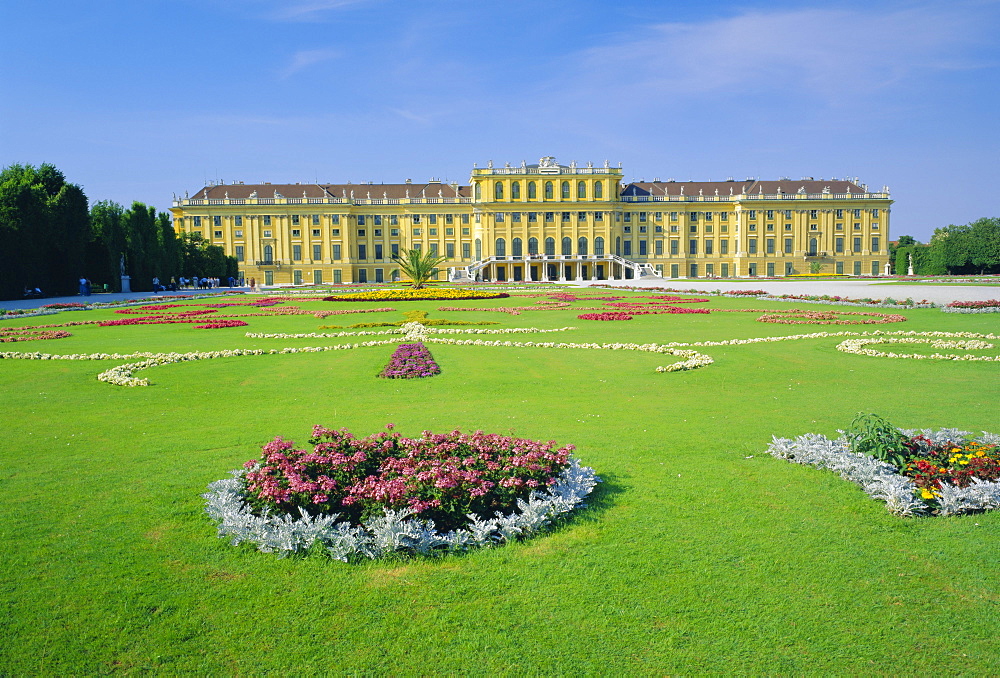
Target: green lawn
(698, 554)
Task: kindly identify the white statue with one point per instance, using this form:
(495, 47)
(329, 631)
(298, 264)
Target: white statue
(548, 161)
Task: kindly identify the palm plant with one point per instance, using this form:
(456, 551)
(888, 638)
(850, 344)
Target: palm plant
(418, 266)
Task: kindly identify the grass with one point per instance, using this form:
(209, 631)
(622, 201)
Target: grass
(698, 553)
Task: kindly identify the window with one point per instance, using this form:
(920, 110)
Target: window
(659, 228)
(338, 276)
(709, 247)
(432, 218)
(394, 232)
(723, 247)
(362, 252)
(315, 220)
(599, 246)
(693, 271)
(515, 217)
(838, 213)
(565, 216)
(692, 246)
(378, 252)
(317, 252)
(296, 252)
(788, 245)
(581, 216)
(315, 233)
(479, 192)
(875, 266)
(708, 228)
(416, 218)
(499, 217)
(673, 216)
(466, 251)
(548, 190)
(769, 214)
(377, 219)
(515, 191)
(416, 231)
(239, 221)
(752, 227)
(434, 249)
(857, 214)
(813, 214)
(567, 246)
(643, 228)
(564, 190)
(751, 214)
(361, 232)
(239, 253)
(394, 220)
(217, 221)
(296, 233)
(598, 189)
(334, 218)
(550, 247)
(335, 232)
(857, 226)
(432, 231)
(874, 227)
(465, 231)
(581, 189)
(532, 190)
(295, 220)
(449, 231)
(658, 248)
(498, 191)
(336, 252)
(752, 270)
(377, 232)
(769, 246)
(813, 227)
(581, 246)
(674, 246)
(840, 268)
(532, 216)
(627, 248)
(857, 245)
(268, 254)
(362, 275)
(839, 226)
(501, 247)
(875, 245)
(875, 213)
(217, 234)
(642, 248)
(549, 216)
(267, 220)
(394, 249)
(857, 268)
(838, 245)
(628, 217)
(708, 216)
(752, 245)
(267, 233)
(449, 250)
(598, 216)
(693, 216)
(627, 229)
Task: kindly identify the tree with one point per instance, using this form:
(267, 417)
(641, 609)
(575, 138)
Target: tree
(44, 227)
(418, 266)
(984, 235)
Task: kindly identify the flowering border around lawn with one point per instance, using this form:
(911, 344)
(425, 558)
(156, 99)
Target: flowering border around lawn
(961, 342)
(883, 481)
(395, 531)
(424, 294)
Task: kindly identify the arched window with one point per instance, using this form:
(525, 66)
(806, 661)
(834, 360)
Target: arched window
(564, 190)
(501, 248)
(532, 245)
(268, 254)
(515, 247)
(581, 246)
(498, 191)
(812, 247)
(599, 246)
(618, 246)
(598, 189)
(479, 249)
(479, 191)
(550, 246)
(548, 190)
(567, 245)
(532, 190)
(515, 191)
(581, 189)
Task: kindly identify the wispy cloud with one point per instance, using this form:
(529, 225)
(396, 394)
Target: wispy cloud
(310, 10)
(827, 52)
(306, 58)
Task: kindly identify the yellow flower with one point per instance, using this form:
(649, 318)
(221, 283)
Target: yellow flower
(926, 494)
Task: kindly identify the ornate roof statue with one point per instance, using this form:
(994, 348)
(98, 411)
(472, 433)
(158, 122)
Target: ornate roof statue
(548, 161)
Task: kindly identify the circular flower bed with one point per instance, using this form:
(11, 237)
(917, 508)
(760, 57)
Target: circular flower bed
(423, 294)
(386, 494)
(943, 472)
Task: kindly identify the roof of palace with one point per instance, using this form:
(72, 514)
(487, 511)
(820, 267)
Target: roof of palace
(373, 191)
(748, 187)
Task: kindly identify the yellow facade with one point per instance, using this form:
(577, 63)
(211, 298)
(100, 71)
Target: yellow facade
(545, 221)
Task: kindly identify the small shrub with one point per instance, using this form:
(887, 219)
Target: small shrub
(875, 436)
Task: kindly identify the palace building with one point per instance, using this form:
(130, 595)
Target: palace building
(545, 221)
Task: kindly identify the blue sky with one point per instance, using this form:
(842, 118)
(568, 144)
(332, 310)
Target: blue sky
(141, 99)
